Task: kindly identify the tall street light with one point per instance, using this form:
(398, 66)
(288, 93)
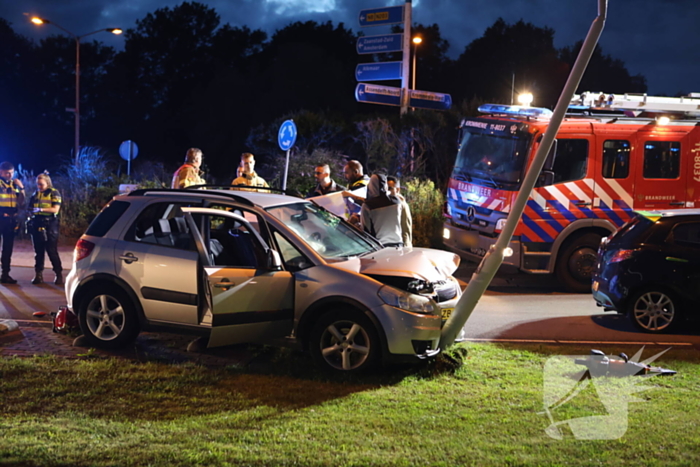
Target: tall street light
(39, 21)
(416, 40)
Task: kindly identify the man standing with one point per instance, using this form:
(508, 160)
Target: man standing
(325, 184)
(11, 198)
(356, 179)
(189, 174)
(248, 176)
(406, 219)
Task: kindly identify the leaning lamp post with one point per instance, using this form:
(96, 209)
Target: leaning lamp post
(76, 111)
(416, 41)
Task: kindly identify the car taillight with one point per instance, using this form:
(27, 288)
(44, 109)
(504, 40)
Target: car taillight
(621, 255)
(82, 250)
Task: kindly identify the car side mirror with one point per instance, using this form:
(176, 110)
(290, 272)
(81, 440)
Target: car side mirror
(274, 261)
(546, 178)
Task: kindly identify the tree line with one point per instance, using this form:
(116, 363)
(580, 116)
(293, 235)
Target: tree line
(185, 79)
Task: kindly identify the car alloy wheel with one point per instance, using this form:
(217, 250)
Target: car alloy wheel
(654, 311)
(107, 319)
(345, 341)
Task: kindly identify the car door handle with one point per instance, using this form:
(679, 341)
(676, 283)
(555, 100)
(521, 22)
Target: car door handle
(579, 202)
(224, 284)
(128, 258)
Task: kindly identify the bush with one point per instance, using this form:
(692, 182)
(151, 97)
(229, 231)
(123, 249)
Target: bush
(426, 203)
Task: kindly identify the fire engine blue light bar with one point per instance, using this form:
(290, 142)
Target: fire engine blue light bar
(515, 110)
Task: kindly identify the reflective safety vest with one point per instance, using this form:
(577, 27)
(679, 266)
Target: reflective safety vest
(9, 194)
(45, 199)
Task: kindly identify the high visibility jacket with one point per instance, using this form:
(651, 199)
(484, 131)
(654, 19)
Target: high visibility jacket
(10, 197)
(187, 175)
(250, 180)
(45, 199)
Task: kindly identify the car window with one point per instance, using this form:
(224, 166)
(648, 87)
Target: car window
(161, 224)
(107, 218)
(571, 159)
(616, 159)
(231, 243)
(662, 159)
(294, 260)
(686, 234)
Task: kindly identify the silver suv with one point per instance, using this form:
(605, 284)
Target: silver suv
(245, 266)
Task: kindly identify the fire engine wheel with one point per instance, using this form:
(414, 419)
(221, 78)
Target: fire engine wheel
(654, 310)
(576, 263)
(108, 319)
(345, 341)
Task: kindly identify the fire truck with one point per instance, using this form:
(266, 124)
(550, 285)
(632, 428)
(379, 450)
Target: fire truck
(614, 153)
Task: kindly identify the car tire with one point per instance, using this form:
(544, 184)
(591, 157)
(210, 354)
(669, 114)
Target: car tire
(108, 318)
(345, 341)
(654, 310)
(577, 261)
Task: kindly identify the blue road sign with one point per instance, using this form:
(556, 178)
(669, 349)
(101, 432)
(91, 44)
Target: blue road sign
(287, 135)
(380, 44)
(379, 16)
(374, 94)
(379, 71)
(429, 100)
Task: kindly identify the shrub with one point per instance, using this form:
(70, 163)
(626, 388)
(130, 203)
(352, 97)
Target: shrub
(426, 203)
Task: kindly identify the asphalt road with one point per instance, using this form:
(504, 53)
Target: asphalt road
(517, 308)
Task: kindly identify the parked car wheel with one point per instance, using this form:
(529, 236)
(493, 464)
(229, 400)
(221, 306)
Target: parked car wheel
(108, 318)
(345, 341)
(654, 310)
(576, 263)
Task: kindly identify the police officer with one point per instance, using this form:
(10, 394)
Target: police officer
(11, 198)
(45, 204)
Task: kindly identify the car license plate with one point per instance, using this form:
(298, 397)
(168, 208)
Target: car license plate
(446, 312)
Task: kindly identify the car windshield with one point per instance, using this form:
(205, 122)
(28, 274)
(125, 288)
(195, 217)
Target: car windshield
(325, 232)
(492, 154)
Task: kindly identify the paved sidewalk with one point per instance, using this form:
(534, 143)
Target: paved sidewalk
(23, 255)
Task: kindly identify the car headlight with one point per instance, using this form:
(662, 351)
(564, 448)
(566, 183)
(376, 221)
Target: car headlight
(407, 301)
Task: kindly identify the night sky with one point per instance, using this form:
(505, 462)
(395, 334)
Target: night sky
(656, 38)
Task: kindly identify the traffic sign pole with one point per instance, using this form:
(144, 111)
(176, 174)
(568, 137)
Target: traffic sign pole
(286, 138)
(406, 51)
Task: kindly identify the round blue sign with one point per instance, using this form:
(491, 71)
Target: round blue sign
(287, 135)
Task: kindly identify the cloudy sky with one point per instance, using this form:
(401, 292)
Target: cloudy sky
(657, 38)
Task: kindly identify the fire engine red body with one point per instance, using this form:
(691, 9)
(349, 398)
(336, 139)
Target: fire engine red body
(600, 169)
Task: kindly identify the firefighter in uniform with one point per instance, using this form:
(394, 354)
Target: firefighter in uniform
(45, 204)
(11, 198)
(189, 173)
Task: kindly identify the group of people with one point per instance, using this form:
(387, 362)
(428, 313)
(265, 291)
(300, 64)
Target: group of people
(43, 226)
(383, 213)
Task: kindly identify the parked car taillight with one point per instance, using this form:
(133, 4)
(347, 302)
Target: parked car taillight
(621, 255)
(82, 250)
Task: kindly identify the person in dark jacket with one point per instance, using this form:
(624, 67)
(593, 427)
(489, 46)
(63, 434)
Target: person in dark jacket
(45, 205)
(381, 213)
(11, 199)
(325, 184)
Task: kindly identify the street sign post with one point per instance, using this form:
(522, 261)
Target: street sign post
(286, 138)
(429, 100)
(380, 16)
(374, 94)
(379, 44)
(128, 150)
(379, 71)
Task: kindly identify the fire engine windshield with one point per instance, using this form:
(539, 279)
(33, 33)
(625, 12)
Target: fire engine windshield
(492, 153)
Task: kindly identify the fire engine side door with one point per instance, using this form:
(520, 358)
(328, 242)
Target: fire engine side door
(660, 178)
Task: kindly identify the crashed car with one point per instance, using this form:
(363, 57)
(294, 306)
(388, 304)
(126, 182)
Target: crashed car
(257, 267)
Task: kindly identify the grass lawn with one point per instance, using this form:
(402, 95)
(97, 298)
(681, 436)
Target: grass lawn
(280, 411)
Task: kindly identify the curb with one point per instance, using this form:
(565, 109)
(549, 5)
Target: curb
(9, 331)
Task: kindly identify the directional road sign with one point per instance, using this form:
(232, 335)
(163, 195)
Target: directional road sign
(380, 44)
(379, 71)
(128, 150)
(287, 135)
(375, 94)
(379, 16)
(429, 100)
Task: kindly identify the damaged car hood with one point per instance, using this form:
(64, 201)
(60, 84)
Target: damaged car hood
(418, 263)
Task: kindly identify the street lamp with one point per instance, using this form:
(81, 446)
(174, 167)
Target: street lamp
(39, 21)
(416, 40)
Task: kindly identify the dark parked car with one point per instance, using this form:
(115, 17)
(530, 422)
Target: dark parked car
(649, 269)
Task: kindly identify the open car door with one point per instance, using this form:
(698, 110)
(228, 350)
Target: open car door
(249, 298)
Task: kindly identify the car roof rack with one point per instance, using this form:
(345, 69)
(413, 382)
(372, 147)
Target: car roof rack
(145, 191)
(634, 105)
(241, 199)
